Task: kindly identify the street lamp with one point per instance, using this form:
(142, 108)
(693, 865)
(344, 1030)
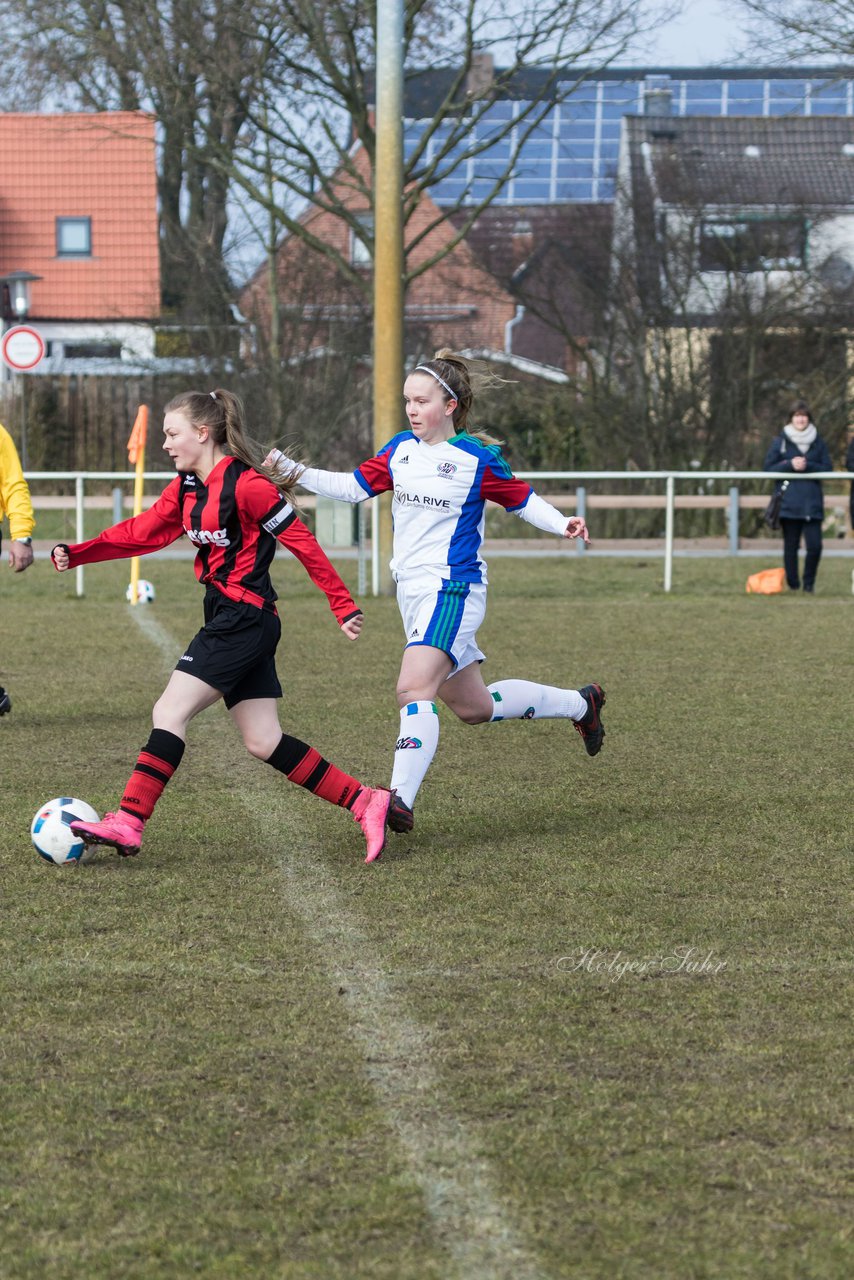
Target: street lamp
(16, 295)
(15, 307)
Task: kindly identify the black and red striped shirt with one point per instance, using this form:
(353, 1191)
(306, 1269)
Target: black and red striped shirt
(233, 520)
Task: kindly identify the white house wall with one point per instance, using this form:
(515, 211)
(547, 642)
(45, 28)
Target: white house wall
(136, 341)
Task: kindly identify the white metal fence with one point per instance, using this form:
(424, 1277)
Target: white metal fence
(732, 503)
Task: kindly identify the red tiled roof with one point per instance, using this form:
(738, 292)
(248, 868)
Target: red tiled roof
(97, 165)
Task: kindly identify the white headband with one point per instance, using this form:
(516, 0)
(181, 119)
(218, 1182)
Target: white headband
(441, 381)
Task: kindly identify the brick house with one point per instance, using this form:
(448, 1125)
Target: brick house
(554, 260)
(78, 210)
(457, 303)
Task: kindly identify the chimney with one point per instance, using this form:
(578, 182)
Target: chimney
(657, 96)
(522, 242)
(480, 74)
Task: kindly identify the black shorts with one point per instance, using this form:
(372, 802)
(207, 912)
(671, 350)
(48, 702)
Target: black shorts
(235, 651)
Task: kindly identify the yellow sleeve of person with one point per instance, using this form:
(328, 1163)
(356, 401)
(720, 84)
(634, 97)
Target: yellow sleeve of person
(15, 499)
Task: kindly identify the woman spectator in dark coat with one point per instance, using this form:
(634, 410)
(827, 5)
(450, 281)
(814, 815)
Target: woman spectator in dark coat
(800, 448)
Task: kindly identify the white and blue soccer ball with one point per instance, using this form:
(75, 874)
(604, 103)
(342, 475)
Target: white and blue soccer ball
(144, 592)
(51, 831)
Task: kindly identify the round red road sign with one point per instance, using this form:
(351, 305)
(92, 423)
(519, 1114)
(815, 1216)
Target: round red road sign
(22, 347)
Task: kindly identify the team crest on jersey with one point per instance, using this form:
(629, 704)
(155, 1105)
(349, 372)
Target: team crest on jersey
(446, 468)
(208, 537)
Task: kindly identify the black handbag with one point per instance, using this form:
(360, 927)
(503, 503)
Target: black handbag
(771, 514)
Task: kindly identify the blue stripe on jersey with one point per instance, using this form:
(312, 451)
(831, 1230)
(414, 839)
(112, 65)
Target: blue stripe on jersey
(497, 461)
(447, 616)
(363, 482)
(464, 548)
(502, 468)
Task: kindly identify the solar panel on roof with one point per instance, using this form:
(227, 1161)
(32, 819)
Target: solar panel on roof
(572, 154)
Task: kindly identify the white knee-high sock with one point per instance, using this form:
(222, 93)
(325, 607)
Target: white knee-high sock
(416, 747)
(524, 700)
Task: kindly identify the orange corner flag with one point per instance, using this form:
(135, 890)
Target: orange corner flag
(136, 443)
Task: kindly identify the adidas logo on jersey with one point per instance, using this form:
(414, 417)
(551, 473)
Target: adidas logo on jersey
(405, 458)
(208, 537)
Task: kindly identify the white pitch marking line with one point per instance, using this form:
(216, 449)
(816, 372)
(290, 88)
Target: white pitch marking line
(470, 1219)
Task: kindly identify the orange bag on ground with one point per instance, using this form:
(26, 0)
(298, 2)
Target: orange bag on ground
(767, 582)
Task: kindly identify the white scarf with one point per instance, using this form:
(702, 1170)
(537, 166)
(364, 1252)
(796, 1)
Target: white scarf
(801, 439)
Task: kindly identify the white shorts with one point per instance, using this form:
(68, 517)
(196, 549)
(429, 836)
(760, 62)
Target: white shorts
(445, 615)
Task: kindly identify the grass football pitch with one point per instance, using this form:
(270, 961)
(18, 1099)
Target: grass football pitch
(590, 1020)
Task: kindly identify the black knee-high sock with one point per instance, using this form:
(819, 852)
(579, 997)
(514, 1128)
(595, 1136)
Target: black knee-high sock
(157, 761)
(302, 764)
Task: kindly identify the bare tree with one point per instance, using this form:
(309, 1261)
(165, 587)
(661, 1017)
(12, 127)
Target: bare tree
(198, 65)
(709, 327)
(248, 88)
(309, 148)
(318, 112)
(718, 323)
(790, 29)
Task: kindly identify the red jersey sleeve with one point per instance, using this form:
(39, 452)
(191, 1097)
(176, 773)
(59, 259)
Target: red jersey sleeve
(260, 500)
(374, 475)
(155, 528)
(299, 540)
(499, 485)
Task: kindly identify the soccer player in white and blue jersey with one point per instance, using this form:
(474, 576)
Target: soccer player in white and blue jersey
(442, 476)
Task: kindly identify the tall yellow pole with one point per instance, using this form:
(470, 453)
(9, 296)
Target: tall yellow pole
(388, 263)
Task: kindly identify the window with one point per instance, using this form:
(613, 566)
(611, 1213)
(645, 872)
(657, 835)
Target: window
(752, 244)
(92, 350)
(361, 253)
(74, 237)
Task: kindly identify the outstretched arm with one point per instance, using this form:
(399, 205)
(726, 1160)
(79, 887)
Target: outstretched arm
(342, 485)
(519, 499)
(302, 543)
(150, 531)
(255, 492)
(369, 479)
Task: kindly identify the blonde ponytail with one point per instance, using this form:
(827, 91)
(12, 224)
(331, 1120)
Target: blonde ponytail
(222, 412)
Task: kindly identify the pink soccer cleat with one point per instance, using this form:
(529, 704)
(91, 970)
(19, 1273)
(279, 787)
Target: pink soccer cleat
(370, 810)
(121, 830)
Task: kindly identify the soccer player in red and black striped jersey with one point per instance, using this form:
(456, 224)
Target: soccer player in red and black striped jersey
(233, 514)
